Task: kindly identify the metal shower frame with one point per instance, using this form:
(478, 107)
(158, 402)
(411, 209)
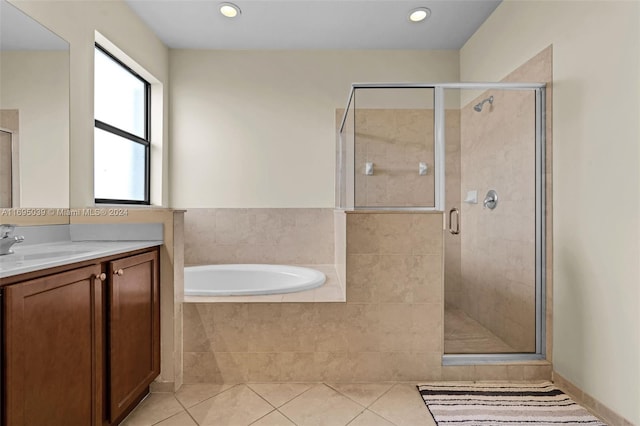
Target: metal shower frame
(439, 205)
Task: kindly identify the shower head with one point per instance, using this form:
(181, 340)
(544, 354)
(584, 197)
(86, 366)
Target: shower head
(479, 106)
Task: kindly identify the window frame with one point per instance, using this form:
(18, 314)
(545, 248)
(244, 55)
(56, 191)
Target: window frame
(146, 141)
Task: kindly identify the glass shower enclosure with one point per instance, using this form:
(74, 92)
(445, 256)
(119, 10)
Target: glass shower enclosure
(476, 152)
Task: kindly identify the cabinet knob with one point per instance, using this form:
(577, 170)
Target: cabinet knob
(102, 277)
(119, 272)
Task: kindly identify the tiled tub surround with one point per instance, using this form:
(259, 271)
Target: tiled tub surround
(297, 237)
(289, 236)
(390, 328)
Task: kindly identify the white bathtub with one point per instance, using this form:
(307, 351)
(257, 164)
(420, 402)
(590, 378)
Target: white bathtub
(235, 280)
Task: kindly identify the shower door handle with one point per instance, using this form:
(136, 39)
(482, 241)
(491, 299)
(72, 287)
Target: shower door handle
(457, 213)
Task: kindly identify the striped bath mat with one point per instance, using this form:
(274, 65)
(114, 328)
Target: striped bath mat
(493, 404)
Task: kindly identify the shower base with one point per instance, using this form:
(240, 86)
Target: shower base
(464, 335)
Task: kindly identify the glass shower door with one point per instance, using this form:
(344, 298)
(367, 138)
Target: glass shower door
(490, 241)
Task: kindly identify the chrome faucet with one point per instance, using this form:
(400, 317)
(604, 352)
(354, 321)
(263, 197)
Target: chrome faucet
(7, 239)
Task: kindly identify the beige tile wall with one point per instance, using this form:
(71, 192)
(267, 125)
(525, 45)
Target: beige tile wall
(497, 282)
(395, 140)
(292, 236)
(390, 328)
(497, 247)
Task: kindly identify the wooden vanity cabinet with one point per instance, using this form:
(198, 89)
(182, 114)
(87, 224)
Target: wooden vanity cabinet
(81, 346)
(53, 350)
(134, 331)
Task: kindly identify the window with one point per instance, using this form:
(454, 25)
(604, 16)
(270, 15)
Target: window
(121, 134)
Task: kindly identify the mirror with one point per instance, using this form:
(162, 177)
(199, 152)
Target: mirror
(34, 113)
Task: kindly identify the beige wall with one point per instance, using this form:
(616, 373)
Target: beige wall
(257, 128)
(596, 157)
(42, 101)
(77, 22)
(280, 236)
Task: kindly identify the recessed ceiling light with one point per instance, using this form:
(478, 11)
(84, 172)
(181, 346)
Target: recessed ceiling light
(229, 10)
(419, 14)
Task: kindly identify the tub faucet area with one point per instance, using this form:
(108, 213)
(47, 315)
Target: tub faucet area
(7, 239)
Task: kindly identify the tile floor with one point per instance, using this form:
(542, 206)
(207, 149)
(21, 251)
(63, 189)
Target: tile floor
(464, 335)
(286, 404)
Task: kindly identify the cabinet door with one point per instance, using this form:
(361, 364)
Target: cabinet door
(134, 330)
(54, 350)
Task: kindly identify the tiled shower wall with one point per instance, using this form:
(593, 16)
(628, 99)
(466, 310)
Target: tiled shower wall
(497, 282)
(390, 328)
(498, 246)
(452, 245)
(291, 236)
(396, 141)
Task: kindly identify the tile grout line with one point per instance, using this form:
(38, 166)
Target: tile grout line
(186, 410)
(212, 396)
(379, 414)
(175, 414)
(356, 416)
(312, 385)
(287, 417)
(346, 396)
(296, 397)
(282, 383)
(364, 408)
(262, 417)
(262, 398)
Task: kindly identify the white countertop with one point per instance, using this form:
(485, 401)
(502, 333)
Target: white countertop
(36, 257)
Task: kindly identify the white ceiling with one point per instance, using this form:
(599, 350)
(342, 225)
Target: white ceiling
(20, 32)
(314, 24)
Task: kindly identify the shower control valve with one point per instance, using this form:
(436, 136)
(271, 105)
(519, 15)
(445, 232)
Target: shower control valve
(423, 169)
(491, 200)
